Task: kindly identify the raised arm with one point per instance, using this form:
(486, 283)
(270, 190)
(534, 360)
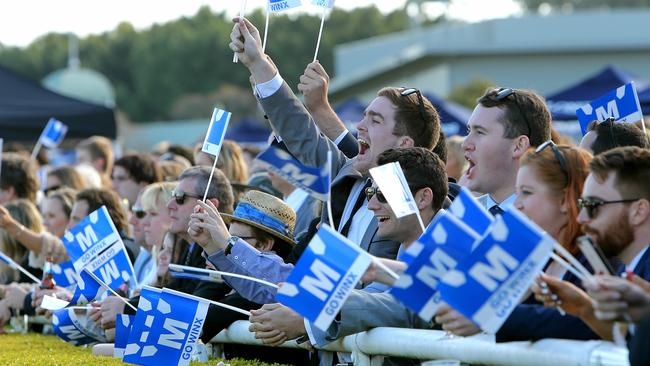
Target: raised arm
(287, 115)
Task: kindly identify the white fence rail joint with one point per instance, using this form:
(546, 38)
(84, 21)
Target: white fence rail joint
(433, 344)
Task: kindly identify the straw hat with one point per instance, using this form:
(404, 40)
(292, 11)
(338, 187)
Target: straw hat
(265, 212)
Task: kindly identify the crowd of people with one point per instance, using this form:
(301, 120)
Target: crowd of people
(258, 224)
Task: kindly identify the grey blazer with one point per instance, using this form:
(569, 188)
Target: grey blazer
(291, 121)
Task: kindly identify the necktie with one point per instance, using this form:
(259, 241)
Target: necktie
(357, 205)
(496, 210)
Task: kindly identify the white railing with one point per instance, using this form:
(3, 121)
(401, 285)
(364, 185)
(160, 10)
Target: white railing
(368, 348)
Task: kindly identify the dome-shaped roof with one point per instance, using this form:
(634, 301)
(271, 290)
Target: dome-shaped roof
(80, 83)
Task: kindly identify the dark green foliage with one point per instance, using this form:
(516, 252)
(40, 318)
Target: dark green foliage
(154, 69)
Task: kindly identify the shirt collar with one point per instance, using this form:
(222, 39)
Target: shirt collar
(505, 204)
(637, 259)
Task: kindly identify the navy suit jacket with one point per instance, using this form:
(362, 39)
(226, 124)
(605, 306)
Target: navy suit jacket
(532, 321)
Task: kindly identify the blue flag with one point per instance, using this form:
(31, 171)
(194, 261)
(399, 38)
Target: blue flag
(324, 276)
(123, 325)
(169, 331)
(95, 244)
(446, 242)
(316, 181)
(64, 274)
(470, 211)
(141, 327)
(216, 132)
(67, 327)
(53, 133)
(87, 289)
(622, 104)
(488, 285)
(276, 6)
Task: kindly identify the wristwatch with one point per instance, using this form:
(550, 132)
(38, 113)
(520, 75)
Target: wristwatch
(231, 241)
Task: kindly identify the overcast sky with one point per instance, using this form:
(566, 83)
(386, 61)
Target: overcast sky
(22, 21)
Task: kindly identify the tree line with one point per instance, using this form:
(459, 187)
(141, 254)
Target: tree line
(175, 70)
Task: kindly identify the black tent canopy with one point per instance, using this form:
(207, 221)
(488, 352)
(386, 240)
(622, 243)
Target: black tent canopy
(25, 108)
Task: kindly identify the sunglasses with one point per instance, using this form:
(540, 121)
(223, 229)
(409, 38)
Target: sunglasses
(591, 204)
(504, 93)
(138, 212)
(51, 189)
(180, 197)
(408, 91)
(371, 191)
(556, 152)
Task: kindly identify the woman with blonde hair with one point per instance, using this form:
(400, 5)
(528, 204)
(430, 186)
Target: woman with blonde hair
(26, 214)
(156, 221)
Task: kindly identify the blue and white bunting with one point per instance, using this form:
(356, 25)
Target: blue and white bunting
(499, 272)
(316, 181)
(53, 133)
(326, 273)
(470, 211)
(622, 104)
(169, 331)
(216, 132)
(277, 6)
(446, 242)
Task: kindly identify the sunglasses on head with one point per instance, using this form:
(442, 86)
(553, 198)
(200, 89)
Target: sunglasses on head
(139, 212)
(504, 93)
(180, 197)
(556, 152)
(408, 91)
(591, 204)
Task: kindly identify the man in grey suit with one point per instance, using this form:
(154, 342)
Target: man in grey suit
(396, 118)
(372, 306)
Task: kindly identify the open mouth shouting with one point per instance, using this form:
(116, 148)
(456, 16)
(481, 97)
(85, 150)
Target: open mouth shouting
(470, 170)
(363, 146)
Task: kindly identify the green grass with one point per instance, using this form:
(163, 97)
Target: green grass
(35, 349)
